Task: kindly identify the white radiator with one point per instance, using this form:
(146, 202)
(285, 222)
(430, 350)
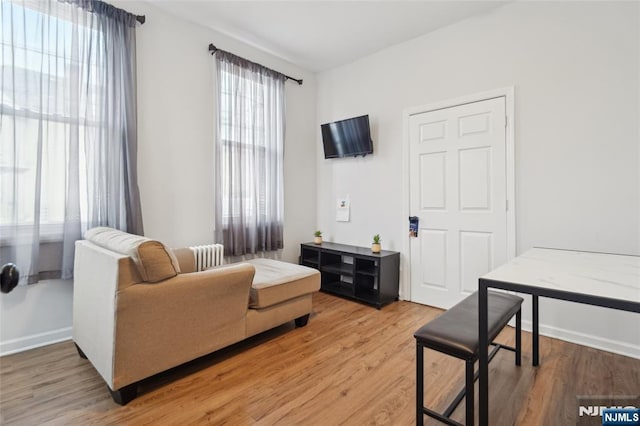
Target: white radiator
(208, 255)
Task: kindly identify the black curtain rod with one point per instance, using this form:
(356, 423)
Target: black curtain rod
(139, 18)
(214, 49)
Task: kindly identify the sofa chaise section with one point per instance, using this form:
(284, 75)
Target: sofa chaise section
(131, 328)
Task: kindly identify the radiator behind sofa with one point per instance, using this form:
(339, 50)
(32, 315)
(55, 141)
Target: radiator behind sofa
(208, 255)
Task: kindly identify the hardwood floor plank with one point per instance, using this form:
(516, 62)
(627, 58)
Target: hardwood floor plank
(350, 365)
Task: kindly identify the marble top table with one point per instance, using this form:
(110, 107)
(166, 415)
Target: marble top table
(601, 275)
(599, 279)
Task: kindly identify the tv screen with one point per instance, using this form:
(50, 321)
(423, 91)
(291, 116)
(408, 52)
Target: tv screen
(347, 138)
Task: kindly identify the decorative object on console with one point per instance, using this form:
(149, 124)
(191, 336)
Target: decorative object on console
(376, 247)
(317, 237)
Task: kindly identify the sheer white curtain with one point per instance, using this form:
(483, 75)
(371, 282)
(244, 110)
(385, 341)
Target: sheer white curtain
(67, 130)
(249, 156)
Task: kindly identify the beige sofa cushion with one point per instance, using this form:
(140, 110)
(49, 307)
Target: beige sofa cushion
(277, 281)
(186, 259)
(153, 260)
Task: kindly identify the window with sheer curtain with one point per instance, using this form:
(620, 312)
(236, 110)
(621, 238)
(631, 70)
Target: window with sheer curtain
(67, 130)
(249, 156)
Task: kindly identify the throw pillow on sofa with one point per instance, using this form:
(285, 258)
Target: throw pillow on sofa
(154, 261)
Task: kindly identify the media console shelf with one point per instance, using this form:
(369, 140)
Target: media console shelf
(355, 272)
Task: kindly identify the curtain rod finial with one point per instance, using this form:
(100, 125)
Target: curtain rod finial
(141, 19)
(212, 48)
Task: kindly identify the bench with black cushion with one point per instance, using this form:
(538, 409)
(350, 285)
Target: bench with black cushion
(455, 333)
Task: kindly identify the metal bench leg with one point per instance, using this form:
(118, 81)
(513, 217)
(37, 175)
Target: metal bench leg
(535, 360)
(519, 337)
(419, 384)
(469, 394)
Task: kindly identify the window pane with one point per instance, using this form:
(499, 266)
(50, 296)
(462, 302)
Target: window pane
(48, 94)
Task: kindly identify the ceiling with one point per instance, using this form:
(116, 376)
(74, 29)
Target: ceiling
(320, 35)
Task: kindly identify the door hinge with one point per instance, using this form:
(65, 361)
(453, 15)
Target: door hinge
(506, 205)
(506, 120)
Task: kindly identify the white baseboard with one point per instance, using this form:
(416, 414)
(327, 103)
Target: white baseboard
(597, 342)
(35, 341)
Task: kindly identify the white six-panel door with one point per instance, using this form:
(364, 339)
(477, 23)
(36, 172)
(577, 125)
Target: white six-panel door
(458, 191)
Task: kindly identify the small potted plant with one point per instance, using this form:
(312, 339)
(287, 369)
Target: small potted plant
(376, 247)
(318, 237)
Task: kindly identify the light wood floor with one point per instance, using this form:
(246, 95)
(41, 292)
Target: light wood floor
(351, 364)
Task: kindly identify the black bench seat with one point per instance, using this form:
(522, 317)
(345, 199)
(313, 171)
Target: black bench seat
(455, 333)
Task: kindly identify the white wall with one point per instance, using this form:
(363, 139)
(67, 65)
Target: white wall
(34, 315)
(175, 161)
(176, 132)
(575, 68)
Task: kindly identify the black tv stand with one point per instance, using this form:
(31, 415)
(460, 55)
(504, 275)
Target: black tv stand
(355, 272)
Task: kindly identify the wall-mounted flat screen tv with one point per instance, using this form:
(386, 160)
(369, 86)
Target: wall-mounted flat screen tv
(347, 138)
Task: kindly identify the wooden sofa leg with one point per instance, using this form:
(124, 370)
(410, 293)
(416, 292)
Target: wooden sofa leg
(124, 395)
(82, 355)
(302, 321)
